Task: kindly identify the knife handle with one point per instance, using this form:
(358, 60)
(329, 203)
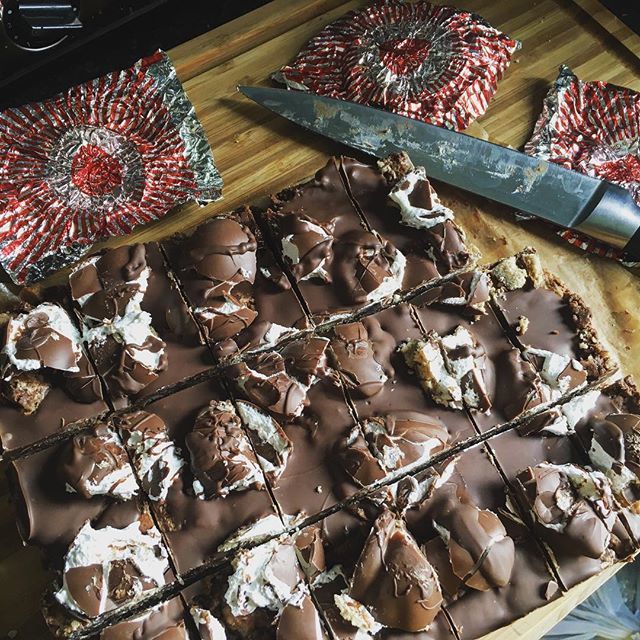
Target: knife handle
(615, 219)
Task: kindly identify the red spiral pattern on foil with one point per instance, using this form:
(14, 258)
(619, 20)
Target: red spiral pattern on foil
(594, 128)
(431, 63)
(88, 164)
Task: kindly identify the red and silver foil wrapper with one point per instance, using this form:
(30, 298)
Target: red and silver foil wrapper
(427, 62)
(95, 162)
(594, 128)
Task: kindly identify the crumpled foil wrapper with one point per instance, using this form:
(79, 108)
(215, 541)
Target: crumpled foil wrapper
(432, 63)
(594, 128)
(95, 162)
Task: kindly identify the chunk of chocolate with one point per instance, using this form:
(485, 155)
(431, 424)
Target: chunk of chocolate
(573, 507)
(307, 246)
(405, 438)
(47, 380)
(36, 344)
(222, 459)
(468, 293)
(355, 359)
(365, 268)
(615, 450)
(480, 551)
(311, 551)
(238, 293)
(96, 464)
(358, 460)
(393, 580)
(194, 519)
(269, 440)
(476, 361)
(163, 622)
(301, 621)
(338, 263)
(109, 566)
(279, 381)
(398, 201)
(155, 457)
(452, 369)
(104, 285)
(260, 594)
(136, 325)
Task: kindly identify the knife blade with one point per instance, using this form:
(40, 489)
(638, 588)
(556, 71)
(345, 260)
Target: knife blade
(570, 199)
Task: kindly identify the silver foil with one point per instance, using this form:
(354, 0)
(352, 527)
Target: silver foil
(56, 218)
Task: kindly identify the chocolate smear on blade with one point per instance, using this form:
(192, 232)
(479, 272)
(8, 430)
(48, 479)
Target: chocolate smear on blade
(394, 580)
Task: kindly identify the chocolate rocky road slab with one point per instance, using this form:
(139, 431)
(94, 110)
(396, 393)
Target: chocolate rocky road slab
(453, 328)
(350, 504)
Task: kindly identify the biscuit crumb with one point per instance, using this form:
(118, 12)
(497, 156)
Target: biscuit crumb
(522, 326)
(509, 275)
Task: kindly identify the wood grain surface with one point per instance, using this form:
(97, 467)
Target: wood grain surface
(259, 154)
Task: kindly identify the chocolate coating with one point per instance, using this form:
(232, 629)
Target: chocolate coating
(109, 282)
(238, 293)
(91, 459)
(313, 241)
(165, 622)
(415, 436)
(480, 551)
(38, 340)
(568, 521)
(314, 477)
(301, 622)
(221, 456)
(476, 482)
(354, 357)
(429, 252)
(278, 381)
(394, 580)
(386, 331)
(355, 260)
(512, 384)
(177, 333)
(195, 528)
(361, 263)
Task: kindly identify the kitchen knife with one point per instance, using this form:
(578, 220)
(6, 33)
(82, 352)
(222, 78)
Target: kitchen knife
(598, 208)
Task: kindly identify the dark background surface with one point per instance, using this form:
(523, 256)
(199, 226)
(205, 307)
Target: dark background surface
(26, 77)
(35, 76)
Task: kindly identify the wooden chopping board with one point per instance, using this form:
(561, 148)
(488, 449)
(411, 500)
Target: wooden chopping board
(259, 154)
